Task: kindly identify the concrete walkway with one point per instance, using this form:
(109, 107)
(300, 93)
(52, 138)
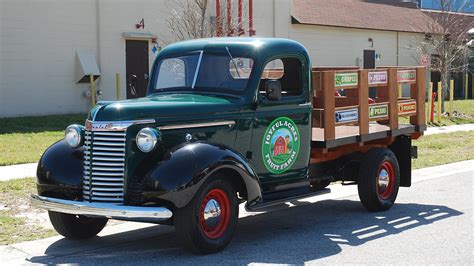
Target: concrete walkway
(449, 129)
(17, 171)
(29, 170)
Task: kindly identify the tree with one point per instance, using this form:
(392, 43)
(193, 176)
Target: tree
(446, 38)
(193, 19)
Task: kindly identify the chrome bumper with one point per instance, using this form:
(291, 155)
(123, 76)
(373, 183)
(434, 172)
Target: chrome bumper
(108, 210)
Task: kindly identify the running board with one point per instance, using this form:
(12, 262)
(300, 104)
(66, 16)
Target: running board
(280, 200)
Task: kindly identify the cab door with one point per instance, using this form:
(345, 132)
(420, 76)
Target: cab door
(281, 128)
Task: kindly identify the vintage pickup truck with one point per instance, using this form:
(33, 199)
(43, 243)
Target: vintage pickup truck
(229, 121)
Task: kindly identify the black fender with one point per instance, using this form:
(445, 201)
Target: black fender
(179, 175)
(59, 172)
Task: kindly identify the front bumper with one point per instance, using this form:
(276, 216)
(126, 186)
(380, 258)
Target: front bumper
(111, 211)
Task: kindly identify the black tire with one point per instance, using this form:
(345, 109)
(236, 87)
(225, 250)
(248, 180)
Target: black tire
(320, 185)
(76, 226)
(375, 194)
(190, 225)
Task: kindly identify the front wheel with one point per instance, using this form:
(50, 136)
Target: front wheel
(76, 226)
(379, 179)
(207, 224)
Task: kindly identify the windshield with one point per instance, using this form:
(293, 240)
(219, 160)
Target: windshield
(203, 72)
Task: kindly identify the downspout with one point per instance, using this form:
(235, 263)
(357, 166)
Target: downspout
(274, 18)
(398, 47)
(97, 14)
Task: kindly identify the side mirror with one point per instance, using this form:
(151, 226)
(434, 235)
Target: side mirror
(273, 90)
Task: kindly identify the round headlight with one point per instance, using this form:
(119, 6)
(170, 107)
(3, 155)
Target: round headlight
(74, 135)
(147, 139)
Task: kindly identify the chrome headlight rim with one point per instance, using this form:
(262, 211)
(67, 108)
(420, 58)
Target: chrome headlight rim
(74, 135)
(150, 133)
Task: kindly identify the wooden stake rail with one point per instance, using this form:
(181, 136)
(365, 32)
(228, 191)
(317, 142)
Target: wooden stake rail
(355, 114)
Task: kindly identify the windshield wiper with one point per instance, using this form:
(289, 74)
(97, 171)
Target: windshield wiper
(233, 62)
(197, 70)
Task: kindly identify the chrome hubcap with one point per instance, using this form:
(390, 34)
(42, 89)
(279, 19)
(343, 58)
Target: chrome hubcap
(212, 213)
(384, 180)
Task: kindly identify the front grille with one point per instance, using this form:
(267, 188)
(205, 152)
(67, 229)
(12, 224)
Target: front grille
(104, 166)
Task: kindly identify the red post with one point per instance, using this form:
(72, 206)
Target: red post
(241, 30)
(432, 107)
(229, 18)
(218, 19)
(251, 30)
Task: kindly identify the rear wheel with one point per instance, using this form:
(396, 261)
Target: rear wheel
(76, 226)
(207, 223)
(379, 179)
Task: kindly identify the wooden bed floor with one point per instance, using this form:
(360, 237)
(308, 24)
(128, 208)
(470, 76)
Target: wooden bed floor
(350, 131)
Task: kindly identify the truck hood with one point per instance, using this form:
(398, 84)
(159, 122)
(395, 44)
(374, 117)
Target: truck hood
(165, 105)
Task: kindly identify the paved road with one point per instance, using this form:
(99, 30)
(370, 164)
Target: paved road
(431, 223)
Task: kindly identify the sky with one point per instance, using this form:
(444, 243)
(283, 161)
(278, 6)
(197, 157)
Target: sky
(434, 4)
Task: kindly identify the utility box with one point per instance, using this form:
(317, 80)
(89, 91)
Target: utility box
(86, 65)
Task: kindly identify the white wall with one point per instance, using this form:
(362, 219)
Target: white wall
(39, 40)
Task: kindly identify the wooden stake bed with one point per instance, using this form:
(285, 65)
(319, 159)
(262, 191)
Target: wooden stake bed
(346, 120)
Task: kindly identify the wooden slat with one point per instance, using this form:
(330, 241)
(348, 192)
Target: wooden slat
(329, 105)
(363, 96)
(418, 93)
(393, 98)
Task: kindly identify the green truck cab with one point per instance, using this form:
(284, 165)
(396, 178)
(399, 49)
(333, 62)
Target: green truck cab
(225, 121)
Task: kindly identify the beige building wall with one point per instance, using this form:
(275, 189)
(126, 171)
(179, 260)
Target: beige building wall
(39, 41)
(38, 44)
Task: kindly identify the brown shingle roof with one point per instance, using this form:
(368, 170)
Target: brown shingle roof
(359, 14)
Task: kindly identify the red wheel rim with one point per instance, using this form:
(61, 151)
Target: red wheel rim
(214, 214)
(385, 180)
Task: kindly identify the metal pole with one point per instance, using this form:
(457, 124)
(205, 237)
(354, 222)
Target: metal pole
(251, 30)
(430, 102)
(451, 96)
(117, 85)
(400, 93)
(472, 85)
(218, 19)
(241, 31)
(229, 18)
(91, 77)
(466, 84)
(440, 100)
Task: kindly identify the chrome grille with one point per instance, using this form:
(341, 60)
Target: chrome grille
(104, 166)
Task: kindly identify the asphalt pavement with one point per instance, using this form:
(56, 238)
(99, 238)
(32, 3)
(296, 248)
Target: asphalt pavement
(431, 223)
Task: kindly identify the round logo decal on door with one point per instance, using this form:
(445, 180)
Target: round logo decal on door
(280, 145)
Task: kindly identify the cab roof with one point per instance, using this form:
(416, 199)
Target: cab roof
(256, 48)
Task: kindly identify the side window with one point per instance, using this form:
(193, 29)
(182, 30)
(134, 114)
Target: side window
(171, 74)
(240, 67)
(288, 71)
